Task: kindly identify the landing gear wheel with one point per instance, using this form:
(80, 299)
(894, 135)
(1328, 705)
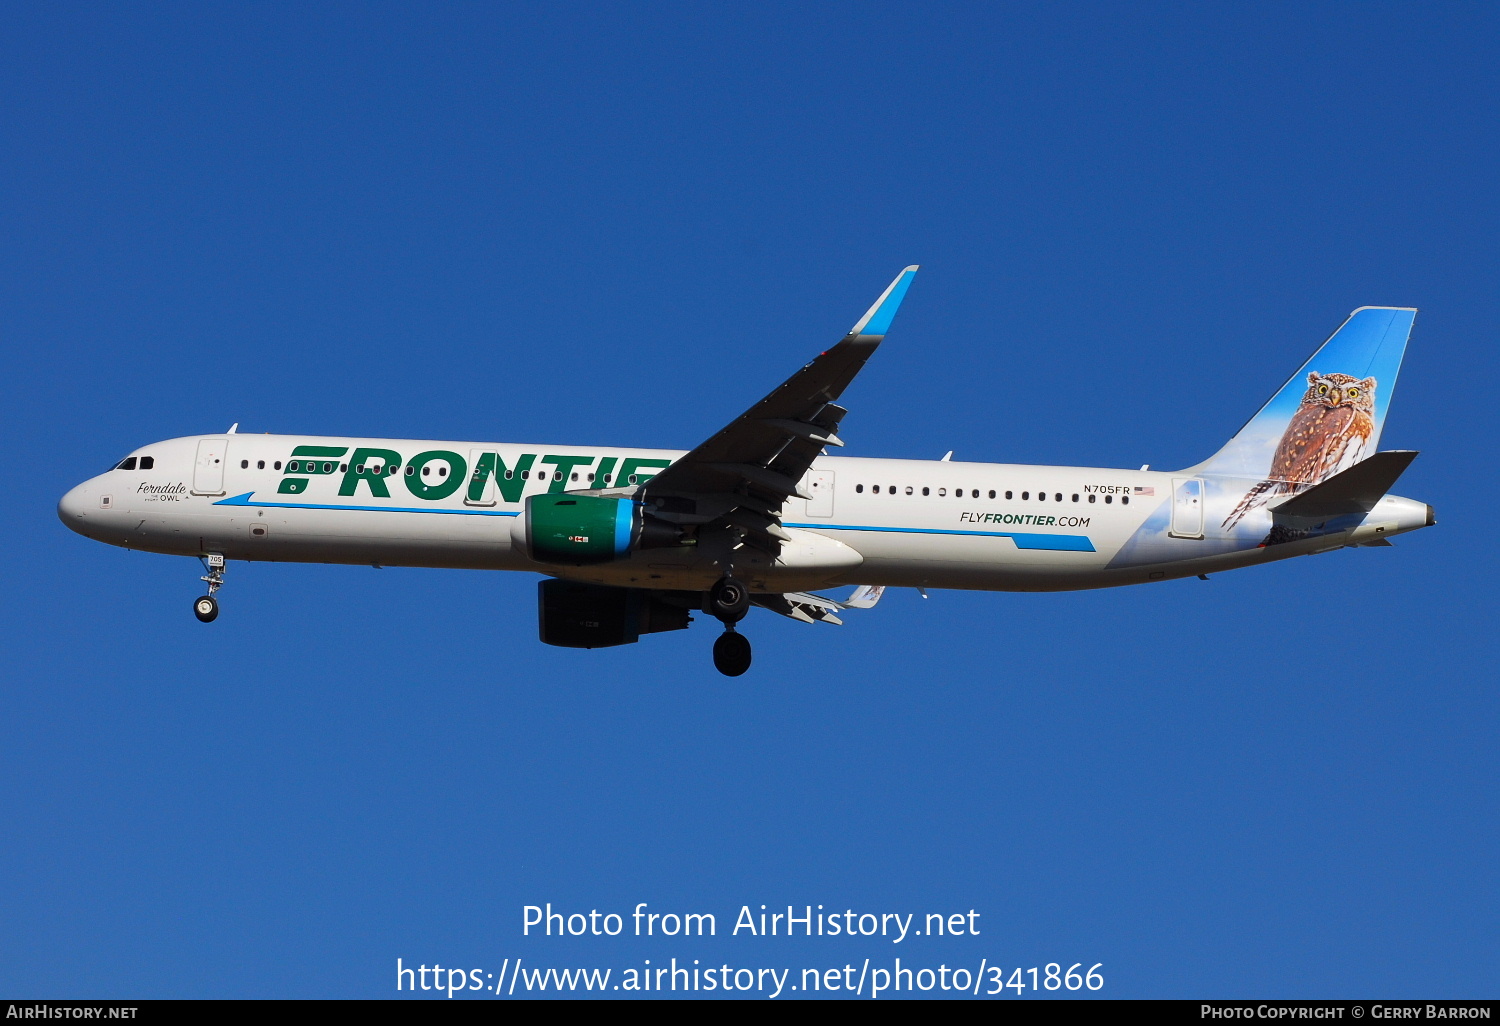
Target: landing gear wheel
(732, 653)
(729, 600)
(206, 608)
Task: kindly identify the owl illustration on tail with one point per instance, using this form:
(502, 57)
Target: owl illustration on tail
(1327, 434)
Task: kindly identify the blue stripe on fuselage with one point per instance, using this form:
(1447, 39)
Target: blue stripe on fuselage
(246, 500)
(1055, 542)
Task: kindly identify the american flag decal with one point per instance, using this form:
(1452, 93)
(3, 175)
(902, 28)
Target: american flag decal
(1144, 491)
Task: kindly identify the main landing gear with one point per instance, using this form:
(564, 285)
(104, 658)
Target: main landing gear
(729, 600)
(206, 608)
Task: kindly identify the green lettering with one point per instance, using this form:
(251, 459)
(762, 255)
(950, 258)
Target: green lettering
(601, 476)
(435, 486)
(369, 465)
(322, 452)
(508, 479)
(292, 486)
(633, 466)
(565, 464)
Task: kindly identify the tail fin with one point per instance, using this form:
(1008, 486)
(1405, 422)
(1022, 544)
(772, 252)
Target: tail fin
(1327, 417)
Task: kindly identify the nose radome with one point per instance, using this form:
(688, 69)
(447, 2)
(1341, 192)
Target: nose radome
(74, 506)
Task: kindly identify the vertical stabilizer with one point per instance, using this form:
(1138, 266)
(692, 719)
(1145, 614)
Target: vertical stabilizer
(1324, 420)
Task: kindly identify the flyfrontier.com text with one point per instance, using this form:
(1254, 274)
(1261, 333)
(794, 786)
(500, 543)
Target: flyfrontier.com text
(804, 921)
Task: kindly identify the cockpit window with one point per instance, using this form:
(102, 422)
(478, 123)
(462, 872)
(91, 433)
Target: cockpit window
(148, 462)
(128, 463)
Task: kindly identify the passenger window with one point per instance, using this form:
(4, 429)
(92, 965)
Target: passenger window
(343, 468)
(148, 462)
(244, 464)
(557, 475)
(260, 464)
(1058, 496)
(1124, 500)
(1091, 496)
(575, 475)
(976, 493)
(859, 488)
(1075, 496)
(926, 491)
(128, 463)
(942, 491)
(992, 493)
(411, 471)
(632, 478)
(908, 489)
(1025, 495)
(1041, 496)
(276, 465)
(1109, 498)
(525, 475)
(1007, 495)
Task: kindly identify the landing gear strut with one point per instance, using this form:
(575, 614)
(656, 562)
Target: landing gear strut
(729, 600)
(206, 608)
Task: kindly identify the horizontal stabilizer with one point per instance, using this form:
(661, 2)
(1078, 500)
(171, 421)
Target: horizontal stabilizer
(809, 608)
(864, 597)
(1355, 490)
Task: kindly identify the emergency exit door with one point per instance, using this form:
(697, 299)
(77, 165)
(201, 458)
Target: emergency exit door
(818, 486)
(1187, 507)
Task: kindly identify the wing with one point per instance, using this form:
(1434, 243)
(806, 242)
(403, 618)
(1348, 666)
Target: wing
(742, 475)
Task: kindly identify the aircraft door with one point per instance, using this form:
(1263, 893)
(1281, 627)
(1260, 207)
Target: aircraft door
(480, 490)
(208, 469)
(1187, 507)
(819, 485)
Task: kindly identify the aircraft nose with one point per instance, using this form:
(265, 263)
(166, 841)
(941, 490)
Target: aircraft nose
(73, 507)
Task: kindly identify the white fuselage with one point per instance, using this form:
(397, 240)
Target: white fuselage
(919, 523)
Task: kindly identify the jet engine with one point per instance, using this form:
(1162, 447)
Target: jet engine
(573, 615)
(580, 530)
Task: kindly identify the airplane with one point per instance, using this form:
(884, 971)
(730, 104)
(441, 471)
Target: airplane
(633, 541)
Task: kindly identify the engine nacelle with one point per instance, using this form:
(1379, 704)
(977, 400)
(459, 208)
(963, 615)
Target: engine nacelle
(581, 530)
(573, 615)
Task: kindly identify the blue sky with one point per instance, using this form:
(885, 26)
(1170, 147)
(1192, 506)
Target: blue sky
(622, 225)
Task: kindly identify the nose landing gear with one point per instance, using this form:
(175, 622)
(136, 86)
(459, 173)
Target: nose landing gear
(729, 601)
(206, 608)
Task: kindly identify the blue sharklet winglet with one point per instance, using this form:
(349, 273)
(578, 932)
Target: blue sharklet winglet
(877, 320)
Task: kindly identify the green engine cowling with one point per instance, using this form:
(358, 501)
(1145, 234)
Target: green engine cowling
(581, 530)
